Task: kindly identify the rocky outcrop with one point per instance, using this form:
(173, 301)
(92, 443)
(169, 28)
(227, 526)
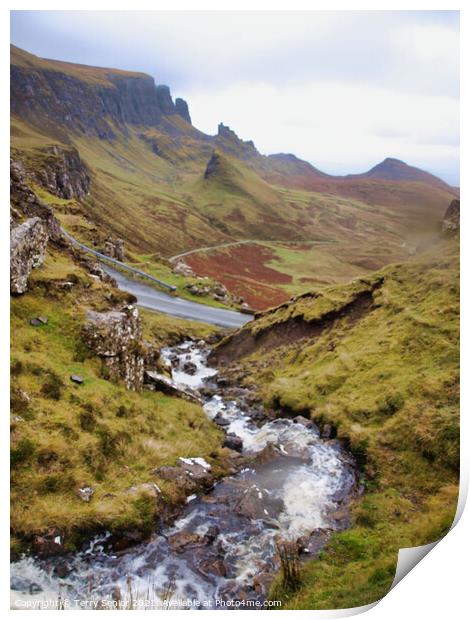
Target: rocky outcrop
(115, 336)
(60, 171)
(231, 143)
(89, 100)
(114, 248)
(25, 203)
(212, 165)
(28, 243)
(181, 108)
(451, 221)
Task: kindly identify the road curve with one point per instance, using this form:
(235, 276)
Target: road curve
(150, 298)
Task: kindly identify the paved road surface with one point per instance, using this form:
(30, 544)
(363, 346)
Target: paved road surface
(150, 298)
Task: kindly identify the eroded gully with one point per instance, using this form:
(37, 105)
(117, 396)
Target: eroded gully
(223, 546)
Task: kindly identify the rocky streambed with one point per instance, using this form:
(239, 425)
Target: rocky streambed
(290, 491)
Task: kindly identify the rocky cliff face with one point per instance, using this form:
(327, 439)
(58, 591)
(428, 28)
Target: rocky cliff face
(228, 140)
(182, 109)
(87, 100)
(25, 203)
(27, 249)
(115, 336)
(60, 171)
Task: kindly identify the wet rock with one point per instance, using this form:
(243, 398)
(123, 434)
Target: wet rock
(115, 336)
(213, 566)
(49, 544)
(311, 544)
(121, 541)
(190, 368)
(212, 532)
(76, 379)
(85, 493)
(190, 474)
(164, 384)
(28, 243)
(62, 569)
(268, 454)
(233, 442)
(222, 382)
(262, 582)
(256, 504)
(300, 419)
(340, 517)
(220, 420)
(182, 540)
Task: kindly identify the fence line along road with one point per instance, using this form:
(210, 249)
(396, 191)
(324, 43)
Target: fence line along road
(121, 265)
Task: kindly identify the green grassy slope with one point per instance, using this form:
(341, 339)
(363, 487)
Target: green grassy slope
(377, 359)
(67, 436)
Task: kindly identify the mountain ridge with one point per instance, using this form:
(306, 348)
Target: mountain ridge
(145, 166)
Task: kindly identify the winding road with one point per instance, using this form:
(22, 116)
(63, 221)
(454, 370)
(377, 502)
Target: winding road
(148, 297)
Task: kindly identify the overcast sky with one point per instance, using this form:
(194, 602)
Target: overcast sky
(342, 90)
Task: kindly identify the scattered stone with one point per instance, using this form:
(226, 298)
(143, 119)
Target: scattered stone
(85, 493)
(300, 419)
(220, 420)
(182, 540)
(213, 566)
(77, 379)
(28, 243)
(233, 442)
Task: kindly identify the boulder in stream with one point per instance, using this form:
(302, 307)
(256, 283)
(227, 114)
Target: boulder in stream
(164, 384)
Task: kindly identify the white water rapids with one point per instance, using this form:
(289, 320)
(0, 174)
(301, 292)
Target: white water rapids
(241, 519)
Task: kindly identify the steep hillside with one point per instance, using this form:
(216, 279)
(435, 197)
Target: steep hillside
(375, 363)
(81, 423)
